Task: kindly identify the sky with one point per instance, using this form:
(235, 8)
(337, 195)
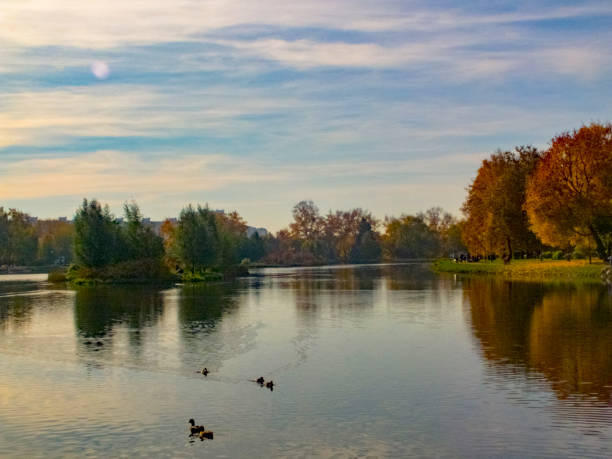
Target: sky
(255, 105)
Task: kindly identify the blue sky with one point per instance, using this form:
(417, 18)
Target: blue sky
(253, 106)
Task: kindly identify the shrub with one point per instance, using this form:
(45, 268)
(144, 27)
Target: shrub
(202, 277)
(557, 255)
(547, 254)
(144, 270)
(57, 276)
(578, 255)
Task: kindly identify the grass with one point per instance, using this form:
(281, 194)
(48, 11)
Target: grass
(201, 277)
(526, 269)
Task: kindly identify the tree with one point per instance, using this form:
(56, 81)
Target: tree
(168, 232)
(366, 247)
(496, 221)
(140, 240)
(97, 240)
(569, 195)
(409, 237)
(18, 239)
(55, 241)
(231, 229)
(447, 228)
(4, 236)
(254, 248)
(197, 240)
(307, 224)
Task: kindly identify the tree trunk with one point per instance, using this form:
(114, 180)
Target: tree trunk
(508, 257)
(601, 249)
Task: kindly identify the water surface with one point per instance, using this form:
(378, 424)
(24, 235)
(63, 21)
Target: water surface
(381, 361)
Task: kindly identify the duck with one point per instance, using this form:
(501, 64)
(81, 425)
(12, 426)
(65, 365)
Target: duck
(204, 371)
(195, 429)
(260, 380)
(206, 434)
(270, 384)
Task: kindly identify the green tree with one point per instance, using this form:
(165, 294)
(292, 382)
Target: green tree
(140, 240)
(410, 237)
(197, 240)
(367, 246)
(97, 240)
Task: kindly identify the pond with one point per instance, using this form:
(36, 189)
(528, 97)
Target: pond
(380, 360)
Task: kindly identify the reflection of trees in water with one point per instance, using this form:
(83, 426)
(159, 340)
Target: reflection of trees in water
(18, 300)
(202, 310)
(416, 276)
(202, 306)
(577, 326)
(15, 311)
(99, 309)
(563, 332)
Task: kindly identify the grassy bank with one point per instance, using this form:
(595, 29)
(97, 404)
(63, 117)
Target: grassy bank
(146, 271)
(526, 269)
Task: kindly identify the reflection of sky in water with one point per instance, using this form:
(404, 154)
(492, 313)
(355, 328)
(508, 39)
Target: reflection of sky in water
(375, 360)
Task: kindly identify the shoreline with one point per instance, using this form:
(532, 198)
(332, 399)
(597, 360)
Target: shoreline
(531, 269)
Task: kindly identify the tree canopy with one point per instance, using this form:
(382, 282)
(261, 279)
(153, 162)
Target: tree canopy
(496, 221)
(569, 196)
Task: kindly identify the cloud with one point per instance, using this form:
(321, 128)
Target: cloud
(112, 172)
(111, 23)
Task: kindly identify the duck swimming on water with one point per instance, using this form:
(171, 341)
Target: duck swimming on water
(260, 380)
(195, 430)
(270, 384)
(204, 371)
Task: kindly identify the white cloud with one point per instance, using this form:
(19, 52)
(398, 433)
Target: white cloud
(107, 23)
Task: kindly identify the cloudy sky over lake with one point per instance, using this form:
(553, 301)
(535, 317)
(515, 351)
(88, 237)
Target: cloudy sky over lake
(255, 105)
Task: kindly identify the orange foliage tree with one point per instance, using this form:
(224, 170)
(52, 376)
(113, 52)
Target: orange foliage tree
(569, 196)
(496, 222)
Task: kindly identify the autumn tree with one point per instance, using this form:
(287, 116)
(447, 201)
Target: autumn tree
(495, 219)
(55, 241)
(307, 224)
(341, 231)
(569, 196)
(231, 230)
(168, 232)
(18, 239)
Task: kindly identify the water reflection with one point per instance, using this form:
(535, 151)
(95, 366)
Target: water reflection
(98, 309)
(20, 300)
(385, 347)
(202, 306)
(563, 332)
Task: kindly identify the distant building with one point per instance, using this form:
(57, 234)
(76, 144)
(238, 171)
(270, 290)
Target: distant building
(251, 230)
